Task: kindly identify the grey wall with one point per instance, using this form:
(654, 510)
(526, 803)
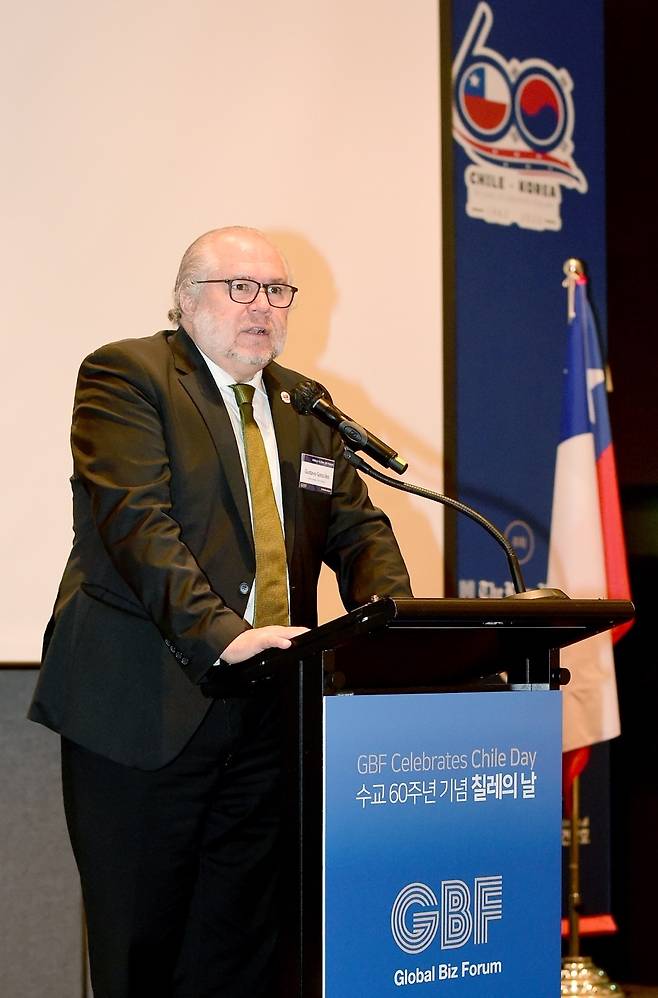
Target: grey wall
(40, 908)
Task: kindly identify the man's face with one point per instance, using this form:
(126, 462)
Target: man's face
(241, 339)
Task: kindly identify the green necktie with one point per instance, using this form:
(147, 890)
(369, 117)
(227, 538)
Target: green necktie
(271, 569)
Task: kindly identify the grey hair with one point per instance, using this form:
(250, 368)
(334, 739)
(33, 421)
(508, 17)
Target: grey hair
(195, 263)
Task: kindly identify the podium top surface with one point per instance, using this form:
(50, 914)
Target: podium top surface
(471, 635)
(587, 615)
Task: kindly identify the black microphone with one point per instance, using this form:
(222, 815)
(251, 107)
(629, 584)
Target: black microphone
(312, 398)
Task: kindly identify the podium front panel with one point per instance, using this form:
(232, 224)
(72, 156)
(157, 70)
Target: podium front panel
(442, 845)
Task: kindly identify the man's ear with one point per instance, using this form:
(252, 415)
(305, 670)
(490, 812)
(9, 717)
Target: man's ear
(188, 296)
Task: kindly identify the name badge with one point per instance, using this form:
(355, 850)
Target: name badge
(316, 473)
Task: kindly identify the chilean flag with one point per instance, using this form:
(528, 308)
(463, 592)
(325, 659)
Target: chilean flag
(486, 97)
(587, 557)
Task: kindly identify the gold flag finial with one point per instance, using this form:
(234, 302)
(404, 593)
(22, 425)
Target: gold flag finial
(573, 269)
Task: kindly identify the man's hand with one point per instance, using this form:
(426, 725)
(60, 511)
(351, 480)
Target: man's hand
(258, 639)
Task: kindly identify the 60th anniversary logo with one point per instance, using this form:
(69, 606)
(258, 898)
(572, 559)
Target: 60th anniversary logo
(515, 121)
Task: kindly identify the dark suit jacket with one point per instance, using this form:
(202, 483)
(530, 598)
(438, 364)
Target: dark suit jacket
(163, 559)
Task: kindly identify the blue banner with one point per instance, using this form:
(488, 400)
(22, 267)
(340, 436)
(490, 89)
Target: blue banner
(442, 844)
(528, 128)
(529, 193)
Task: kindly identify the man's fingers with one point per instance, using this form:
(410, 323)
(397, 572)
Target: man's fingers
(275, 636)
(252, 642)
(286, 632)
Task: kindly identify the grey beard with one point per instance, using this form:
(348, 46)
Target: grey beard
(257, 362)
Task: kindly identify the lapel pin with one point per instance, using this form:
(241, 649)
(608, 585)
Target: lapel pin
(285, 397)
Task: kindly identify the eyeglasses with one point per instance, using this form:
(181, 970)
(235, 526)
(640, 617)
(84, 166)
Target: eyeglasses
(244, 291)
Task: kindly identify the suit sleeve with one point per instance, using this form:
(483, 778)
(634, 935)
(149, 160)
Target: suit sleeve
(120, 456)
(361, 547)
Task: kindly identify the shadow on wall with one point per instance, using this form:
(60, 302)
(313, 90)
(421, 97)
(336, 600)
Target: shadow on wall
(311, 330)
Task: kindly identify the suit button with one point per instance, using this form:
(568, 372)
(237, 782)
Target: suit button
(244, 588)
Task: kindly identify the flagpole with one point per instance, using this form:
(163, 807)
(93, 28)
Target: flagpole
(574, 871)
(579, 976)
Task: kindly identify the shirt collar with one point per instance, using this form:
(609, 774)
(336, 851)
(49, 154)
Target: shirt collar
(225, 380)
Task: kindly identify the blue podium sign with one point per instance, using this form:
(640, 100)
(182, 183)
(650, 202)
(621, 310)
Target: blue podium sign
(442, 845)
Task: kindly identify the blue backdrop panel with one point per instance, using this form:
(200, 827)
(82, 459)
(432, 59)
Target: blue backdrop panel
(528, 119)
(529, 183)
(442, 844)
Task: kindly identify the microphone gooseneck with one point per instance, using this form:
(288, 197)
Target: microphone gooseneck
(461, 507)
(311, 398)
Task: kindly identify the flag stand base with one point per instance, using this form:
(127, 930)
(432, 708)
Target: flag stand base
(580, 976)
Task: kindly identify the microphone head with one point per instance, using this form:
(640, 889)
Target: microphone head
(305, 394)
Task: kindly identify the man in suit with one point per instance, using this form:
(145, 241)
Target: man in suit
(196, 546)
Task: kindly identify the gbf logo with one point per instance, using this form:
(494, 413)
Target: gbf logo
(463, 914)
(515, 118)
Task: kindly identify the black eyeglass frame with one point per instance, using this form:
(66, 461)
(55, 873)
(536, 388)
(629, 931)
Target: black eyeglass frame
(234, 280)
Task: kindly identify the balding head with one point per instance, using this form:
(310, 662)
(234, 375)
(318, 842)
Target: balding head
(241, 337)
(201, 257)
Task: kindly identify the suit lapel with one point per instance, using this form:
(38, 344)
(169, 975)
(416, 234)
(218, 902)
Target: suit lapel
(286, 428)
(198, 382)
